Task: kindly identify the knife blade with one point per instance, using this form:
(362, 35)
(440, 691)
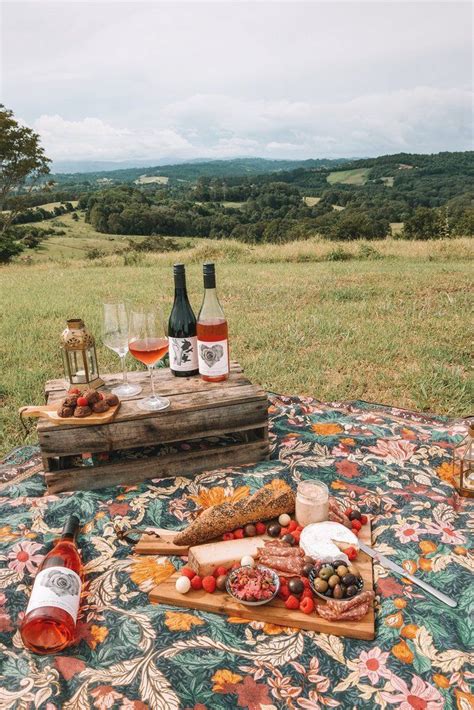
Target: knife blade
(386, 562)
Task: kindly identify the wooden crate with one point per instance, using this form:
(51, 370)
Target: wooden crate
(234, 413)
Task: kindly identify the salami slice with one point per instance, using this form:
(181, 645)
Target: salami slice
(282, 549)
(342, 605)
(291, 565)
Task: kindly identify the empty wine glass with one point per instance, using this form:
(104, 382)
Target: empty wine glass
(115, 337)
(148, 343)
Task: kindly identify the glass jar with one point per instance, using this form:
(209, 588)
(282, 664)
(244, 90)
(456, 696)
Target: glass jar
(312, 502)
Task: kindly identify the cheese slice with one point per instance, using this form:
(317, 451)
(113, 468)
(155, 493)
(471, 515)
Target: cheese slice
(204, 559)
(322, 540)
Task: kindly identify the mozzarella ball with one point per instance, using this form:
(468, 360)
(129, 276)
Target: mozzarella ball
(247, 561)
(183, 585)
(284, 520)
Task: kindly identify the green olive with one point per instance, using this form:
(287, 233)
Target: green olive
(342, 571)
(320, 585)
(333, 580)
(326, 572)
(338, 592)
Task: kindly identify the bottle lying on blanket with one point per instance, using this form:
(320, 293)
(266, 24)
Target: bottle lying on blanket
(49, 624)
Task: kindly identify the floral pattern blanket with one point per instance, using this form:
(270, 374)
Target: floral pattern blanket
(132, 655)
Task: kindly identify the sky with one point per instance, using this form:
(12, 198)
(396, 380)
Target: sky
(164, 81)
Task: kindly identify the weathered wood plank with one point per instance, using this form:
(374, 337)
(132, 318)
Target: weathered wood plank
(163, 376)
(130, 472)
(149, 432)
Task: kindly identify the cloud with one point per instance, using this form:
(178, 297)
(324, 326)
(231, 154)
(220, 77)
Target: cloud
(424, 119)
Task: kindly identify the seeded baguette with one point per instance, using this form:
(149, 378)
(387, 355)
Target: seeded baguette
(268, 502)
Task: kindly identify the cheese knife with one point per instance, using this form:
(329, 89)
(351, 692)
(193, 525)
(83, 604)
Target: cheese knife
(400, 572)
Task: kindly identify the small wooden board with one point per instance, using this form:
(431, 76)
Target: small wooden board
(50, 412)
(275, 612)
(163, 545)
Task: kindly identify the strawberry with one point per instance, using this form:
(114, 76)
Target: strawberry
(283, 531)
(228, 536)
(82, 402)
(186, 572)
(363, 519)
(296, 534)
(219, 571)
(351, 552)
(307, 594)
(307, 605)
(239, 534)
(74, 390)
(292, 602)
(209, 584)
(196, 582)
(356, 524)
(292, 525)
(284, 592)
(261, 528)
(348, 511)
(299, 529)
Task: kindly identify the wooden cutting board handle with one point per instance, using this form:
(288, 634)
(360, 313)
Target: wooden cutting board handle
(34, 411)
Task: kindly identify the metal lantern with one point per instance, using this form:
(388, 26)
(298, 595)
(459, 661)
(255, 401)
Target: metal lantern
(464, 463)
(79, 355)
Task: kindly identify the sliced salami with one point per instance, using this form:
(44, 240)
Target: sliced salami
(292, 565)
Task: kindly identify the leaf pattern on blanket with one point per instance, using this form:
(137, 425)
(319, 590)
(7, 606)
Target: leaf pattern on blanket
(131, 655)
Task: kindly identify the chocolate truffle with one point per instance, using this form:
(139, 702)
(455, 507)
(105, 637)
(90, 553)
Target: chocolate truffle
(111, 399)
(100, 406)
(64, 411)
(82, 411)
(92, 396)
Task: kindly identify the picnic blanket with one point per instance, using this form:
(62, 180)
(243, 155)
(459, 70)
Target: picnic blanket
(131, 655)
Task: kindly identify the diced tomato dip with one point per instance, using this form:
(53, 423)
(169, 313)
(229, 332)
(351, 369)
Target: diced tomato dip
(252, 584)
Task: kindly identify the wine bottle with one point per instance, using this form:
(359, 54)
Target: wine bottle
(182, 329)
(212, 332)
(50, 619)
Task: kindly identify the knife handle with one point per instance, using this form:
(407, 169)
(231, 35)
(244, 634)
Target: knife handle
(431, 590)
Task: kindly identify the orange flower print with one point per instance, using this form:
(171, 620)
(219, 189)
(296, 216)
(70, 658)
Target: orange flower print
(428, 546)
(459, 550)
(327, 428)
(425, 564)
(97, 635)
(278, 484)
(223, 678)
(338, 486)
(6, 534)
(447, 471)
(147, 572)
(208, 497)
(394, 620)
(402, 652)
(105, 697)
(400, 603)
(409, 631)
(274, 629)
(441, 680)
(179, 621)
(348, 442)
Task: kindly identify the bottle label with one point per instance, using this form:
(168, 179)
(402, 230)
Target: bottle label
(56, 586)
(213, 357)
(183, 354)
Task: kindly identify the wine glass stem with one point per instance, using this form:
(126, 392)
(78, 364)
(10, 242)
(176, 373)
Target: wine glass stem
(124, 369)
(152, 379)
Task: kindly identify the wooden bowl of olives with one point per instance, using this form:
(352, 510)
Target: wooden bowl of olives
(337, 580)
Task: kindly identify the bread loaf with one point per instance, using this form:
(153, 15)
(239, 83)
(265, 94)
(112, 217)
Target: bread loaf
(268, 502)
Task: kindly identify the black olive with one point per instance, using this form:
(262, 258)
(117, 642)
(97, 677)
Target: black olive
(352, 590)
(328, 592)
(338, 563)
(307, 569)
(296, 586)
(288, 538)
(274, 529)
(355, 515)
(250, 530)
(348, 580)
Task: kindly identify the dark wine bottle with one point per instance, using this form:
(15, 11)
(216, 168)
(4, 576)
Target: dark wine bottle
(49, 624)
(213, 341)
(182, 329)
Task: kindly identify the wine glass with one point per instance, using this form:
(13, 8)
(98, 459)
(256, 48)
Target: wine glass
(115, 337)
(148, 343)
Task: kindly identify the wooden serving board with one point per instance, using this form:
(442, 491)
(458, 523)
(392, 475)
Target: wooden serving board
(50, 412)
(275, 612)
(163, 545)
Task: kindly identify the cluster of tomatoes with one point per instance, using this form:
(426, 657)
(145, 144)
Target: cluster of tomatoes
(297, 594)
(211, 582)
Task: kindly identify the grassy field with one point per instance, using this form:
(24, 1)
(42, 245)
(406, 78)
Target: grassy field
(357, 176)
(385, 322)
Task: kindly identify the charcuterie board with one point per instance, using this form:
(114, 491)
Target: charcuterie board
(162, 545)
(275, 612)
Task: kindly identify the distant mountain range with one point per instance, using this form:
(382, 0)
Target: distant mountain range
(190, 170)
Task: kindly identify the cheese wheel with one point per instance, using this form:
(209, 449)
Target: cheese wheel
(320, 540)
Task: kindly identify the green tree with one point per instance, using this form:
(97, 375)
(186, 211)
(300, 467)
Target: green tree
(424, 223)
(22, 164)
